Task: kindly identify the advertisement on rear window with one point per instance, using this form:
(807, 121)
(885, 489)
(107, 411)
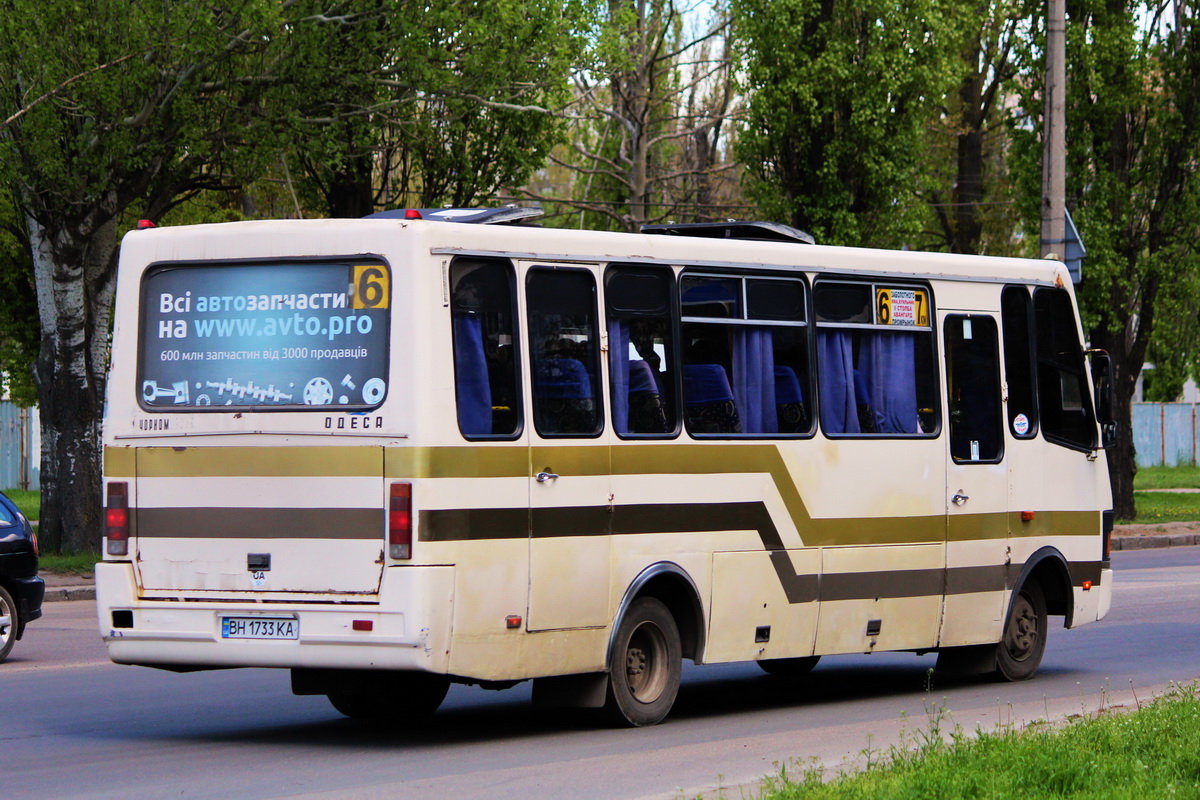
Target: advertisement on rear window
(287, 336)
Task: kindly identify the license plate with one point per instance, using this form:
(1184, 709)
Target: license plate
(260, 628)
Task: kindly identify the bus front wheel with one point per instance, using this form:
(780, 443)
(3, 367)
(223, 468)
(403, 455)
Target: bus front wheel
(645, 666)
(1020, 651)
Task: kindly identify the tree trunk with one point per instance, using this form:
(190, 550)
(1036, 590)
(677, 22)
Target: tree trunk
(74, 273)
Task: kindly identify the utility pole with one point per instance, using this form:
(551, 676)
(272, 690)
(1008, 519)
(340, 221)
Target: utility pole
(1054, 134)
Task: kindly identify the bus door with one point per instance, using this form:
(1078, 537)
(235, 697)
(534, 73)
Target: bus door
(977, 489)
(569, 485)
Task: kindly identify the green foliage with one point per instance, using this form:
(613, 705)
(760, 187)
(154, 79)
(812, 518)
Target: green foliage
(1153, 752)
(405, 103)
(168, 110)
(18, 307)
(840, 94)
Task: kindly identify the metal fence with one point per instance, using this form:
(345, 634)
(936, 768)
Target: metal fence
(20, 447)
(1165, 434)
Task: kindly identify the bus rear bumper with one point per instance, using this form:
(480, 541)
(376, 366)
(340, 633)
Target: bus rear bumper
(406, 628)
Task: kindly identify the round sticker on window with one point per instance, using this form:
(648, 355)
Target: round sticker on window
(1020, 425)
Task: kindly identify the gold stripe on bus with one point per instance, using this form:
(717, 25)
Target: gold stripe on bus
(474, 461)
(513, 460)
(259, 462)
(120, 462)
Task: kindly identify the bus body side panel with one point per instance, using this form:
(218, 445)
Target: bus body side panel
(877, 509)
(1067, 493)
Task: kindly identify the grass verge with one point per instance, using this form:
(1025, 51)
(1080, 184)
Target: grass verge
(1155, 507)
(77, 564)
(1166, 478)
(28, 500)
(1153, 752)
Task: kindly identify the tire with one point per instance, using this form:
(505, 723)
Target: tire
(645, 665)
(405, 698)
(1020, 651)
(10, 623)
(788, 667)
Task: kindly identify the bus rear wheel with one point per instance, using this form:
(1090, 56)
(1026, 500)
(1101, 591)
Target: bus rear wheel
(1020, 651)
(645, 665)
(409, 697)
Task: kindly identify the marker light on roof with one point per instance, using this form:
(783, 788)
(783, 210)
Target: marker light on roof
(412, 213)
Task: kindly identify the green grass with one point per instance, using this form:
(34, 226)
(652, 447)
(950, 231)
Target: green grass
(29, 501)
(1166, 478)
(1154, 752)
(78, 564)
(1155, 507)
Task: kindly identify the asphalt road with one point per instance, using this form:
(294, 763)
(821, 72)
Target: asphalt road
(73, 725)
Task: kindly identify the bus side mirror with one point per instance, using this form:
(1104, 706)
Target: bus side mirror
(1103, 386)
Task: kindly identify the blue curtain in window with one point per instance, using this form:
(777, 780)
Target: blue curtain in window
(474, 394)
(618, 370)
(887, 362)
(835, 373)
(754, 379)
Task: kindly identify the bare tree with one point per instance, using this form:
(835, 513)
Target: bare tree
(650, 121)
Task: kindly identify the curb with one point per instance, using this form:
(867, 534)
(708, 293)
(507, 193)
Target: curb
(60, 593)
(1155, 540)
(1148, 542)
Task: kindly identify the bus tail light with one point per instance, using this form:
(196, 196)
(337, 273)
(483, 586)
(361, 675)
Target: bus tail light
(400, 521)
(116, 518)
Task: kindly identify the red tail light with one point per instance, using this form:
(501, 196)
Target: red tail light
(116, 518)
(400, 521)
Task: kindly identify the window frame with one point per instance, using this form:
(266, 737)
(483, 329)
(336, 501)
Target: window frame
(598, 385)
(974, 316)
(1030, 336)
(808, 386)
(673, 352)
(1080, 370)
(874, 284)
(514, 311)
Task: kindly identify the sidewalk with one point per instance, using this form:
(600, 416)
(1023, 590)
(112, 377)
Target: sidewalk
(1125, 537)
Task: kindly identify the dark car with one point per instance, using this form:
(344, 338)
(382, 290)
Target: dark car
(21, 590)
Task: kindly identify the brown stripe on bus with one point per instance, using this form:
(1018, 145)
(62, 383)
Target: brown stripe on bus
(261, 523)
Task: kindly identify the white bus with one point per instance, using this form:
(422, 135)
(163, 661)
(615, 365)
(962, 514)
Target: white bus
(394, 453)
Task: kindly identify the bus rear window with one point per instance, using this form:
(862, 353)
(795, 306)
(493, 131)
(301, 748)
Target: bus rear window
(268, 336)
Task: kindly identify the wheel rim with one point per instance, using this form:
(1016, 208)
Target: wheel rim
(6, 628)
(646, 663)
(1023, 632)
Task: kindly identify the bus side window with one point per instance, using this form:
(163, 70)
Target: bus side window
(745, 355)
(1016, 315)
(1064, 393)
(875, 363)
(641, 350)
(973, 388)
(483, 313)
(564, 352)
